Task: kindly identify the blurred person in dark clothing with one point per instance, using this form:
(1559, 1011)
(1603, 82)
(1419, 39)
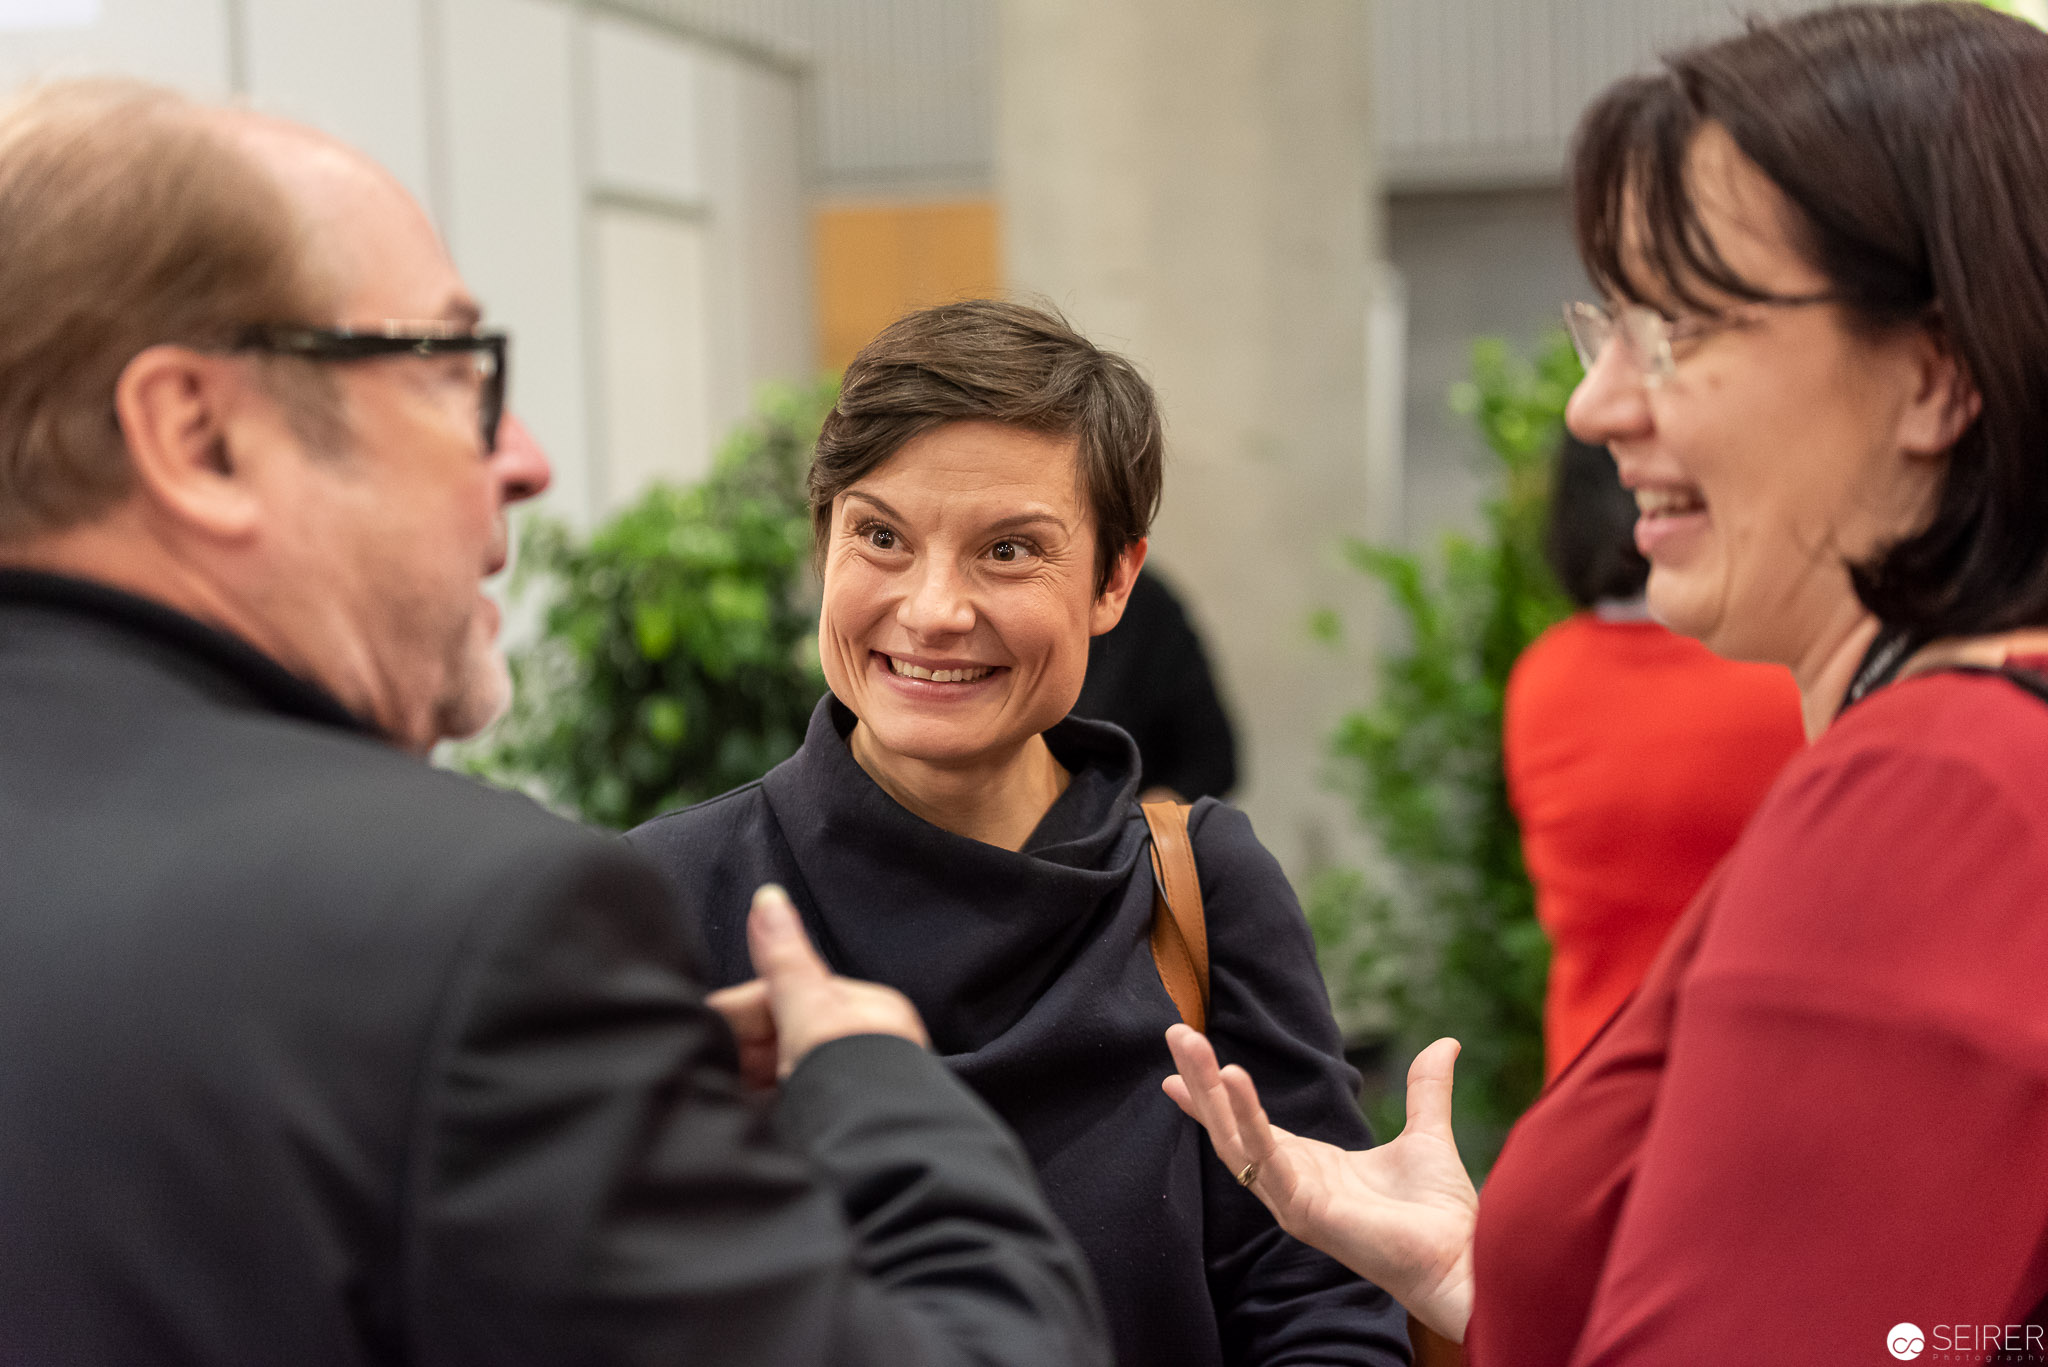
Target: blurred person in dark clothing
(1615, 846)
(310, 1053)
(1149, 675)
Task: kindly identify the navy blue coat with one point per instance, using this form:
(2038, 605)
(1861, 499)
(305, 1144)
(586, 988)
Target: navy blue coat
(1034, 973)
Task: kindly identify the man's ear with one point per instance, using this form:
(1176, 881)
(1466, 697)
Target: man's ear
(1945, 400)
(177, 408)
(1108, 608)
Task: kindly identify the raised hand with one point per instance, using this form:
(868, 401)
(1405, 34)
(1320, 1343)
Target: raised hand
(1400, 1215)
(798, 1003)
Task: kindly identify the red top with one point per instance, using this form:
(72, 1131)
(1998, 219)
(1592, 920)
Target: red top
(1634, 756)
(1826, 1112)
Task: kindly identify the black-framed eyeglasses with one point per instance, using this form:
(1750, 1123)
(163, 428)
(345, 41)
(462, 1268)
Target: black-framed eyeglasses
(397, 339)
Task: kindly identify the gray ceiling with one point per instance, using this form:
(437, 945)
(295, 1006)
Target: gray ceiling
(1468, 92)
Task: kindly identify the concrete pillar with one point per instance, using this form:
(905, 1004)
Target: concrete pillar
(1192, 182)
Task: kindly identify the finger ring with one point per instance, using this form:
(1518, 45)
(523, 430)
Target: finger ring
(1248, 1174)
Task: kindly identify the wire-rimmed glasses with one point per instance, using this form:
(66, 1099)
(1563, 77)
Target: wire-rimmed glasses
(1647, 336)
(1644, 333)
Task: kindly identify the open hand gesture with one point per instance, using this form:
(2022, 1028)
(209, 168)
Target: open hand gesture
(1400, 1215)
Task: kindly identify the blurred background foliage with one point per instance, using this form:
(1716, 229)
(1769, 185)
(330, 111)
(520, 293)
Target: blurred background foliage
(2034, 12)
(1442, 938)
(677, 656)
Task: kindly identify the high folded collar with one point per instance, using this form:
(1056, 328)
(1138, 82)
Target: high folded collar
(227, 660)
(827, 784)
(970, 931)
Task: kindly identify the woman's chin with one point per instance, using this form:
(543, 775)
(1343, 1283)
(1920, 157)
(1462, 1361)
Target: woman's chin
(945, 742)
(1677, 600)
(1729, 636)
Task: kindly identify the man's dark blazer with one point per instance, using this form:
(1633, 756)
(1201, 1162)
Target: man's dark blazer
(310, 1054)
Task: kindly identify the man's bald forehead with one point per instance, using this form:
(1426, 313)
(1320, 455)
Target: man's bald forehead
(299, 157)
(345, 203)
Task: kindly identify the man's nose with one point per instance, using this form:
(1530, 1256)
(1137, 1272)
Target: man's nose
(1613, 401)
(938, 604)
(522, 467)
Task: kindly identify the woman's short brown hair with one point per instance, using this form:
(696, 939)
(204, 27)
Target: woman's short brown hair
(986, 360)
(126, 220)
(1912, 144)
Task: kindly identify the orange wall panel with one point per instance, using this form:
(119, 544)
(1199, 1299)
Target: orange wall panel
(877, 261)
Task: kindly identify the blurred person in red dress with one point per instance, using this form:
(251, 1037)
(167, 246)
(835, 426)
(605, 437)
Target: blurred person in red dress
(1617, 847)
(1818, 1133)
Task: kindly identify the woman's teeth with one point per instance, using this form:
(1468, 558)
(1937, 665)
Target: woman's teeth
(1668, 502)
(910, 671)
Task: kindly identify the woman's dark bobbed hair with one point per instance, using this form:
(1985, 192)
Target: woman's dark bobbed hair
(1912, 140)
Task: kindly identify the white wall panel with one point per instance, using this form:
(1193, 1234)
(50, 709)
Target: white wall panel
(901, 90)
(17, 15)
(182, 43)
(726, 289)
(759, 291)
(771, 206)
(654, 346)
(356, 70)
(644, 95)
(515, 211)
(775, 30)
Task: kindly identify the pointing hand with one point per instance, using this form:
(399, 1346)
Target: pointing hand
(797, 1003)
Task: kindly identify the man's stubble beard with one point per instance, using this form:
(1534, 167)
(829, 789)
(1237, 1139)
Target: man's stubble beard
(478, 683)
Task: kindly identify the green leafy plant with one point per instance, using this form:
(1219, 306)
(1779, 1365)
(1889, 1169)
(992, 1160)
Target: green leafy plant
(677, 656)
(1443, 940)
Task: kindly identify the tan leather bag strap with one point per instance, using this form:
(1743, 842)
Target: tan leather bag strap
(1180, 938)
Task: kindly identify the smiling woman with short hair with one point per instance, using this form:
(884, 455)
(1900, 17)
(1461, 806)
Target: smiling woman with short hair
(981, 494)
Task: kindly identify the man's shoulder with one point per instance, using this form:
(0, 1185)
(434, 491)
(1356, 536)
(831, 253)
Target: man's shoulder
(378, 797)
(709, 832)
(237, 805)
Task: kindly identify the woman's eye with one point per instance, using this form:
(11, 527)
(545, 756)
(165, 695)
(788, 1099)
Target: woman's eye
(881, 538)
(1007, 552)
(1691, 327)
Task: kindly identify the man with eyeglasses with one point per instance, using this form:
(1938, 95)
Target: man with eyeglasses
(309, 1053)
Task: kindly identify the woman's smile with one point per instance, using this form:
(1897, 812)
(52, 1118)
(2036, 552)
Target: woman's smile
(1670, 520)
(938, 680)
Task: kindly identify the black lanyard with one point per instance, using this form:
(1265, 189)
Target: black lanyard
(1881, 664)
(1894, 646)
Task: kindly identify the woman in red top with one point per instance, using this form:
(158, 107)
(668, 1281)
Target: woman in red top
(1615, 847)
(1819, 1132)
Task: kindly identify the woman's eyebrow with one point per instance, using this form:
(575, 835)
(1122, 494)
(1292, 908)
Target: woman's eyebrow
(884, 509)
(1019, 521)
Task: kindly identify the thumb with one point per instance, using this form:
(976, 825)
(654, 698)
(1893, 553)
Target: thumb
(782, 953)
(1429, 1088)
